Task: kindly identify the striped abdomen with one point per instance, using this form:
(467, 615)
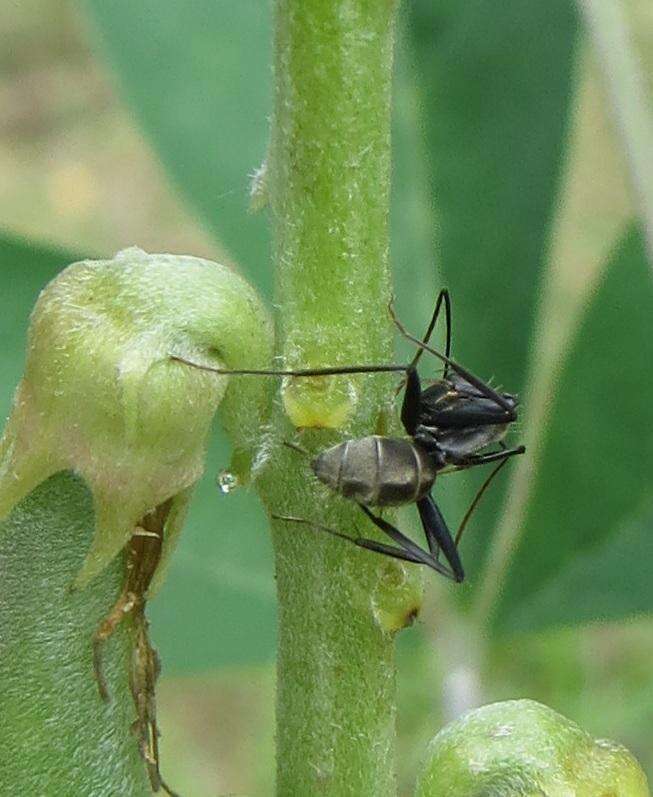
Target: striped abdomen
(376, 471)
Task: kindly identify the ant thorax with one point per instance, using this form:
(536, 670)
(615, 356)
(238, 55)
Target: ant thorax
(459, 420)
(457, 445)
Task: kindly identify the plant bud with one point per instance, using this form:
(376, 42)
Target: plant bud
(103, 396)
(520, 747)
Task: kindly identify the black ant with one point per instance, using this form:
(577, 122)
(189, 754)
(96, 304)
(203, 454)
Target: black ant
(448, 424)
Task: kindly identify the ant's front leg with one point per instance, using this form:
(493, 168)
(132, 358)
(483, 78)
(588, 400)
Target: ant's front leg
(463, 463)
(411, 405)
(443, 297)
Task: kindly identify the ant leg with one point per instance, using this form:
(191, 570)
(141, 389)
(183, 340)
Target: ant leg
(407, 551)
(438, 535)
(443, 296)
(435, 528)
(361, 542)
(468, 376)
(295, 447)
(477, 498)
(480, 412)
(484, 459)
(407, 544)
(411, 403)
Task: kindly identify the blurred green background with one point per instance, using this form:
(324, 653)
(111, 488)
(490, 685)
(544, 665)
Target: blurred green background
(138, 123)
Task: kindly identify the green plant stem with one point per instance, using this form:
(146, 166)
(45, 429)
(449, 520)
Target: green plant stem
(56, 734)
(329, 193)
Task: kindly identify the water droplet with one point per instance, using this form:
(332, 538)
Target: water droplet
(227, 481)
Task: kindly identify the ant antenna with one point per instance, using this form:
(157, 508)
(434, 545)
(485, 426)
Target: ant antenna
(327, 371)
(443, 296)
(479, 384)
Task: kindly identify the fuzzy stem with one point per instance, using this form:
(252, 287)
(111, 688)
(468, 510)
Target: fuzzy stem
(329, 192)
(56, 734)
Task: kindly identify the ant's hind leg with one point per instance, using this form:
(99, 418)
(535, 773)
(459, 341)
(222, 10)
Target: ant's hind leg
(406, 544)
(361, 542)
(438, 535)
(408, 552)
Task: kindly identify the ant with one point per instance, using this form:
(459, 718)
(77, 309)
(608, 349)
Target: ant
(448, 424)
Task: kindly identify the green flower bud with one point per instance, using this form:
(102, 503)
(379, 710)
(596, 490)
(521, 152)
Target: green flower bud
(102, 395)
(523, 748)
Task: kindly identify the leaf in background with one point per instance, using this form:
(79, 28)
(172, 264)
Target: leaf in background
(497, 82)
(198, 80)
(595, 470)
(25, 269)
(217, 606)
(609, 582)
(413, 221)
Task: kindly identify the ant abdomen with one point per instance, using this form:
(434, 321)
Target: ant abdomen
(377, 471)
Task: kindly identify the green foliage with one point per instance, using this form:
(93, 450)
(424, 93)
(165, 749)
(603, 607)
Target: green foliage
(483, 98)
(103, 396)
(199, 83)
(213, 565)
(587, 536)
